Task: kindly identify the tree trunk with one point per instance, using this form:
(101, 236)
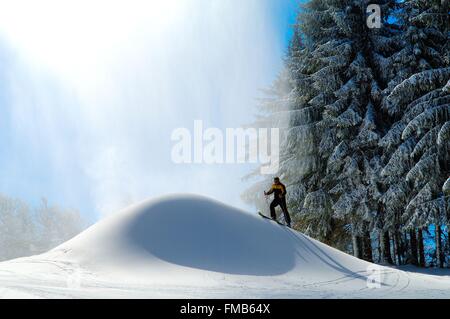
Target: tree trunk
(439, 254)
(394, 248)
(413, 244)
(398, 247)
(367, 244)
(385, 243)
(405, 247)
(422, 262)
(356, 246)
(379, 249)
(361, 247)
(448, 243)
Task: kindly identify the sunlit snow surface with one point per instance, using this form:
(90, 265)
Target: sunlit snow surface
(186, 246)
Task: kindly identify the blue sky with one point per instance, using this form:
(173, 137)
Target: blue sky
(87, 109)
(285, 12)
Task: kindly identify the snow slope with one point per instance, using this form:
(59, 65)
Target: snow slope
(186, 246)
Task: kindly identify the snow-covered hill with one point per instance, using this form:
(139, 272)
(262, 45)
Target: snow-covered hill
(191, 246)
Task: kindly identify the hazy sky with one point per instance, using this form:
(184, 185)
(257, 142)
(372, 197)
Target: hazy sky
(90, 92)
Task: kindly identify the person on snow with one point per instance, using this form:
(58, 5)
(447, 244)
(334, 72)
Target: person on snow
(279, 191)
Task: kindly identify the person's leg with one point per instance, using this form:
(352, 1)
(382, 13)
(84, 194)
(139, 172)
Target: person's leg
(272, 209)
(287, 217)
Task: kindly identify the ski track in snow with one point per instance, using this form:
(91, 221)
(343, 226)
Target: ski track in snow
(110, 260)
(27, 287)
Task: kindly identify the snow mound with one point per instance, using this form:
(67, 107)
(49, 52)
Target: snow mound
(192, 246)
(198, 233)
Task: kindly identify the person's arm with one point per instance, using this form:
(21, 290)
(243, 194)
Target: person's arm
(270, 192)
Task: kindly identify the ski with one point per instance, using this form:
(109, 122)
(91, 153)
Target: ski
(274, 220)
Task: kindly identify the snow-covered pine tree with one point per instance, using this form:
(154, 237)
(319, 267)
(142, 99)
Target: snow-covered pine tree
(416, 102)
(296, 106)
(274, 111)
(330, 151)
(347, 130)
(344, 187)
(344, 109)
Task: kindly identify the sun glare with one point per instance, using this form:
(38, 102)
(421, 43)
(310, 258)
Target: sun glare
(68, 34)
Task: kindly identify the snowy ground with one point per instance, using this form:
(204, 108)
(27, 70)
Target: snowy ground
(193, 247)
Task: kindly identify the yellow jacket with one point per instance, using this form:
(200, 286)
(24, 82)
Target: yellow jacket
(278, 189)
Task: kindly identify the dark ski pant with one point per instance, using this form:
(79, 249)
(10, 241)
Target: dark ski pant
(282, 203)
